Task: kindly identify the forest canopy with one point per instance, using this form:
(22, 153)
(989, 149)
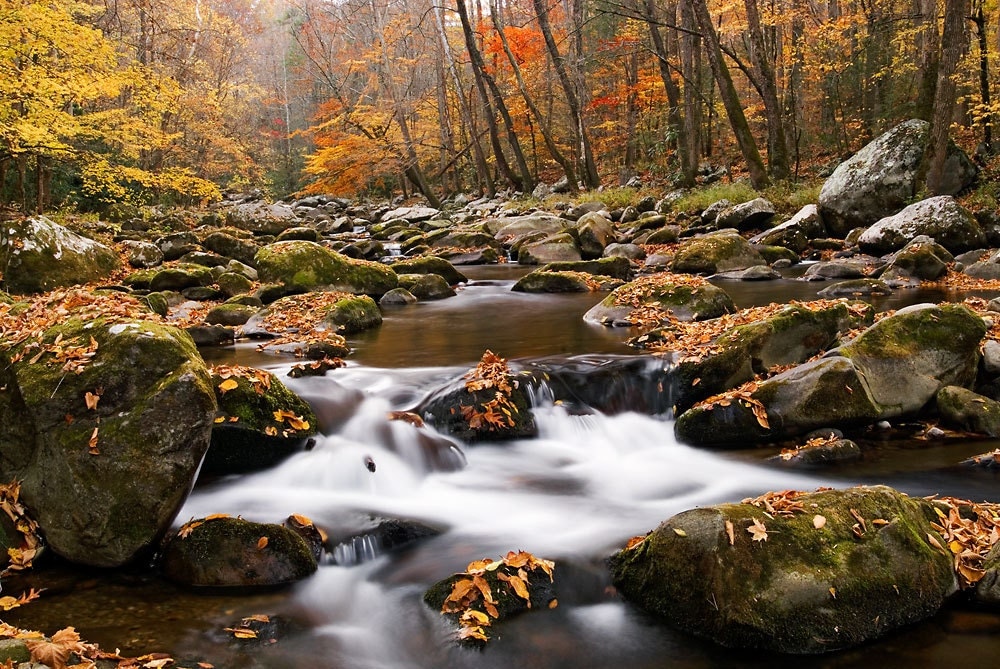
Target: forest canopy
(131, 102)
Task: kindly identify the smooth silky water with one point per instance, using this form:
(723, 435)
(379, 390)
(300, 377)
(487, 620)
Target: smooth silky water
(574, 495)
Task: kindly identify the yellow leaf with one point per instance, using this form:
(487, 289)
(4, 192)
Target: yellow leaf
(220, 419)
(679, 532)
(520, 588)
(242, 632)
(956, 546)
(227, 385)
(475, 617)
(833, 592)
(554, 603)
(819, 521)
(261, 543)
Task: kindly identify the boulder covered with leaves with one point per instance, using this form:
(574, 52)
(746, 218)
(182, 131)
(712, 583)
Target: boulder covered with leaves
(310, 325)
(794, 572)
(105, 416)
(491, 591)
(224, 552)
(659, 299)
(714, 356)
(259, 424)
(37, 254)
(489, 403)
(303, 266)
(892, 369)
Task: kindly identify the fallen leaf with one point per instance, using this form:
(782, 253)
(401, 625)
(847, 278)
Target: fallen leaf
(731, 533)
(57, 650)
(679, 532)
(261, 543)
(758, 530)
(91, 400)
(227, 385)
(819, 521)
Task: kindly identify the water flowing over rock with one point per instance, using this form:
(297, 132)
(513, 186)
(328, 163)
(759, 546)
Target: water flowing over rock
(941, 218)
(147, 433)
(37, 254)
(829, 570)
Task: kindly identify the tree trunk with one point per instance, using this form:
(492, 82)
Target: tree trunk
(979, 18)
(591, 177)
(730, 98)
(550, 144)
(777, 147)
(690, 53)
(953, 43)
(479, 157)
(927, 49)
(793, 91)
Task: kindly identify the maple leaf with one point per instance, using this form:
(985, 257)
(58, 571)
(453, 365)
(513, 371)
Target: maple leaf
(758, 530)
(56, 651)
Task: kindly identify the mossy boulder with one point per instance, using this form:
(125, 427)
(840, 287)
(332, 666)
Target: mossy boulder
(307, 266)
(426, 286)
(430, 265)
(683, 300)
(717, 252)
(922, 258)
(824, 452)
(616, 268)
(231, 246)
(182, 276)
(791, 336)
(797, 232)
(558, 247)
(232, 284)
(353, 314)
(230, 314)
(236, 553)
(38, 255)
(782, 584)
(104, 483)
(856, 288)
(541, 281)
(594, 232)
(962, 409)
(260, 422)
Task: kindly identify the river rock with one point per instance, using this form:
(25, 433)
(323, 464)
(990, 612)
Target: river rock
(231, 246)
(988, 269)
(717, 252)
(397, 297)
(260, 422)
(610, 384)
(179, 277)
(176, 244)
(754, 214)
(430, 265)
(616, 268)
(685, 301)
(143, 255)
(236, 553)
(856, 288)
(411, 214)
(38, 255)
(941, 218)
(922, 257)
(594, 233)
(261, 218)
(541, 281)
(426, 286)
(510, 230)
(559, 247)
(962, 409)
(822, 453)
(845, 268)
(628, 251)
(307, 266)
(880, 179)
(231, 315)
(104, 505)
(780, 583)
(797, 232)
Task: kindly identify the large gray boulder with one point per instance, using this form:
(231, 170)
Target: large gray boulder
(555, 248)
(37, 255)
(105, 423)
(716, 252)
(797, 232)
(831, 570)
(941, 218)
(881, 178)
(594, 233)
(747, 215)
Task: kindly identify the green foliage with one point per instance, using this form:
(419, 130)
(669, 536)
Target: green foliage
(699, 199)
(791, 196)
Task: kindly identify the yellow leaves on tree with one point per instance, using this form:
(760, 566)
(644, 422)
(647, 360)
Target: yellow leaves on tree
(473, 599)
(498, 413)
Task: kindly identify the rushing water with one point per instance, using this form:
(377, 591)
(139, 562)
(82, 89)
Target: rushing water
(574, 494)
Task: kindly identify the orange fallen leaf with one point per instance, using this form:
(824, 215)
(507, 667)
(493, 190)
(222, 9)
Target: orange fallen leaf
(261, 543)
(227, 385)
(758, 530)
(731, 532)
(91, 400)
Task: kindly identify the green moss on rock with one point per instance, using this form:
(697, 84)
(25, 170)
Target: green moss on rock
(307, 266)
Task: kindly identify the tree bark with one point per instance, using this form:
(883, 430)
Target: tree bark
(591, 177)
(954, 41)
(979, 18)
(730, 98)
(777, 147)
(690, 54)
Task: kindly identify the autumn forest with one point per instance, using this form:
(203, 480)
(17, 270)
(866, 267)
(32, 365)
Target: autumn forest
(110, 102)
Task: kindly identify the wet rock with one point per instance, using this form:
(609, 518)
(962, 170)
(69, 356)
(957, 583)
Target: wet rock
(306, 266)
(685, 301)
(236, 553)
(922, 258)
(389, 535)
(353, 314)
(180, 277)
(616, 268)
(963, 409)
(260, 422)
(755, 273)
(781, 584)
(230, 314)
(941, 218)
(426, 286)
(629, 251)
(609, 384)
(713, 253)
(754, 214)
(594, 233)
(837, 269)
(397, 297)
(38, 255)
(880, 179)
(822, 453)
(152, 424)
(541, 281)
(211, 335)
(558, 247)
(856, 288)
(430, 265)
(231, 246)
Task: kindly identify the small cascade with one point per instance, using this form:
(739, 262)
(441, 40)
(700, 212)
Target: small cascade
(356, 550)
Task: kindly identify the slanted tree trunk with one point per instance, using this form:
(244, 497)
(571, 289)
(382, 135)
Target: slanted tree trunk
(979, 18)
(954, 41)
(730, 98)
(543, 127)
(591, 177)
(777, 147)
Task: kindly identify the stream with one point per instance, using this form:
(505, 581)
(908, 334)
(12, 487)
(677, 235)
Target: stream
(574, 495)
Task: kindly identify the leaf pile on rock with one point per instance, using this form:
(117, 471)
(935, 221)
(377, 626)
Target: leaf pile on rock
(492, 373)
(299, 321)
(970, 531)
(19, 557)
(491, 590)
(66, 650)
